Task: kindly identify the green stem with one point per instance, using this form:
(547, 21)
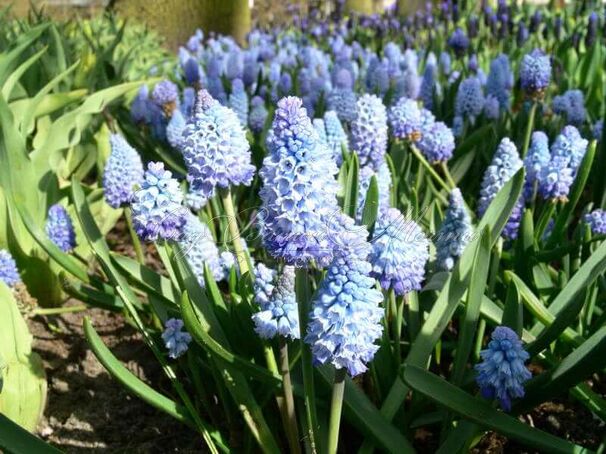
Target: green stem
(430, 168)
(546, 215)
(290, 420)
(304, 301)
(59, 310)
(134, 237)
(447, 174)
(232, 223)
(336, 407)
(529, 128)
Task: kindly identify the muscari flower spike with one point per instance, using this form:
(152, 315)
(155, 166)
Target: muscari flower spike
(238, 100)
(368, 132)
(174, 129)
(400, 251)
(335, 135)
(343, 101)
(199, 249)
(345, 320)
(535, 73)
(502, 372)
(215, 149)
(157, 210)
(437, 142)
(166, 95)
(455, 232)
(299, 190)
(59, 228)
(596, 130)
(500, 81)
(275, 294)
(571, 105)
(320, 129)
(123, 171)
(570, 145)
(596, 221)
(537, 158)
(383, 176)
(8, 269)
(458, 41)
(469, 101)
(257, 115)
(405, 119)
(175, 340)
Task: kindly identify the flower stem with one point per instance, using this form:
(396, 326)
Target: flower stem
(232, 224)
(304, 300)
(447, 174)
(529, 127)
(429, 168)
(336, 407)
(134, 237)
(59, 310)
(289, 408)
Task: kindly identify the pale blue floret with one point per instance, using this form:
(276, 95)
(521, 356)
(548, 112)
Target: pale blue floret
(175, 340)
(502, 373)
(59, 228)
(8, 269)
(174, 129)
(238, 100)
(368, 132)
(123, 171)
(405, 119)
(596, 221)
(437, 142)
(535, 72)
(275, 295)
(336, 138)
(469, 101)
(455, 232)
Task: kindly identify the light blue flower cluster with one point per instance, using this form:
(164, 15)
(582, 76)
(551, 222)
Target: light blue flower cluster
(215, 149)
(123, 171)
(166, 95)
(368, 132)
(345, 321)
(175, 340)
(405, 119)
(502, 372)
(500, 81)
(535, 73)
(275, 295)
(238, 101)
(571, 105)
(199, 248)
(458, 41)
(437, 142)
(537, 158)
(157, 210)
(174, 129)
(469, 101)
(343, 101)
(597, 129)
(596, 221)
(59, 228)
(299, 190)
(8, 269)
(400, 251)
(429, 85)
(505, 163)
(570, 145)
(257, 115)
(455, 232)
(335, 135)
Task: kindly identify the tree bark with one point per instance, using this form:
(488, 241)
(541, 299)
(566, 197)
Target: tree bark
(228, 17)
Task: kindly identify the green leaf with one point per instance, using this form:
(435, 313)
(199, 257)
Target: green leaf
(350, 201)
(481, 412)
(371, 206)
(13, 79)
(140, 389)
(15, 439)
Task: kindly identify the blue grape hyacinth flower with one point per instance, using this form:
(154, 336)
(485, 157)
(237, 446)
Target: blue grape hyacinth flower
(538, 157)
(368, 132)
(238, 100)
(500, 81)
(157, 210)
(535, 73)
(275, 294)
(555, 179)
(343, 101)
(405, 119)
(123, 171)
(336, 138)
(596, 221)
(469, 101)
(60, 229)
(174, 129)
(571, 105)
(257, 115)
(166, 95)
(597, 129)
(175, 340)
(215, 149)
(199, 249)
(454, 233)
(8, 269)
(569, 144)
(299, 193)
(502, 372)
(437, 142)
(345, 320)
(383, 176)
(458, 41)
(400, 251)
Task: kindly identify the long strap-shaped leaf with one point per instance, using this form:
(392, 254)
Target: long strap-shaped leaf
(101, 250)
(15, 439)
(456, 285)
(482, 413)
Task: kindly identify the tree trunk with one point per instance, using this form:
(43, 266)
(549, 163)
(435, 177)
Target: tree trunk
(228, 17)
(359, 6)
